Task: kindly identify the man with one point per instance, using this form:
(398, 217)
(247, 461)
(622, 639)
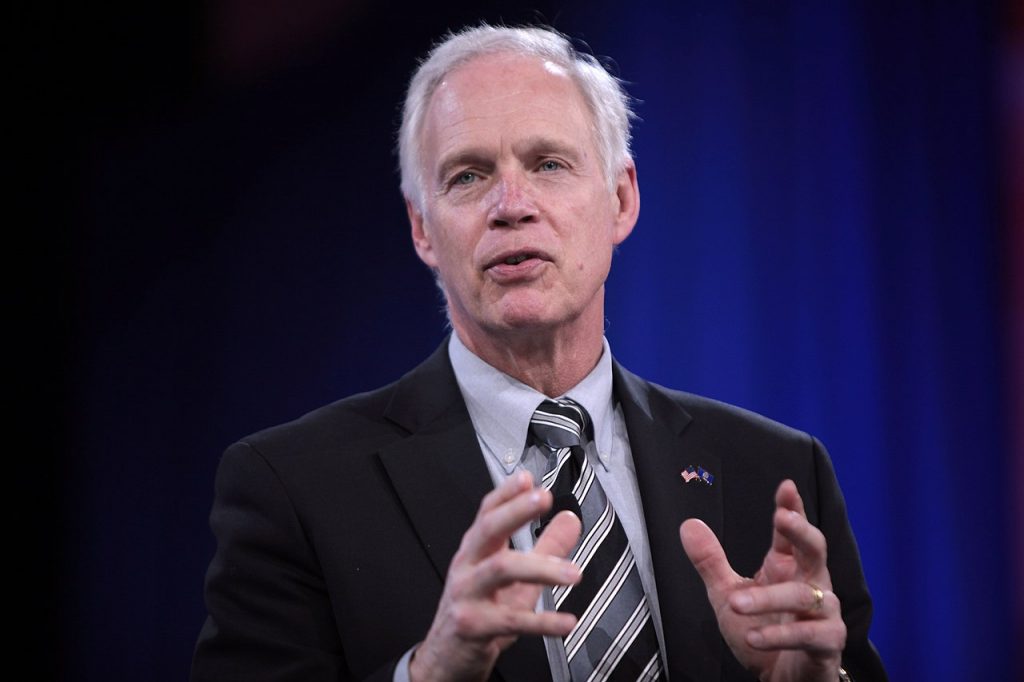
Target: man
(400, 533)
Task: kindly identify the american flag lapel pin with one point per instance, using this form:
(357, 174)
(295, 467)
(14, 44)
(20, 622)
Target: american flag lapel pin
(697, 473)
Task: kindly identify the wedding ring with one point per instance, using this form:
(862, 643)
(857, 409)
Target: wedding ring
(819, 597)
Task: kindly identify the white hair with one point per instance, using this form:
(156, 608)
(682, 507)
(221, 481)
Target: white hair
(604, 94)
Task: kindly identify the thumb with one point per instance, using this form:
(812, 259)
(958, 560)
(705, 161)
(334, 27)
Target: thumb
(706, 554)
(560, 536)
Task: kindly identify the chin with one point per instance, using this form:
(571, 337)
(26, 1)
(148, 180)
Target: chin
(526, 324)
(527, 312)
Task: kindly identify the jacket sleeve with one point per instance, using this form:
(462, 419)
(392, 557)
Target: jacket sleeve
(270, 615)
(860, 659)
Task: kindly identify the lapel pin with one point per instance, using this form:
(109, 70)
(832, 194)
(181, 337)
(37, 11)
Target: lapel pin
(692, 473)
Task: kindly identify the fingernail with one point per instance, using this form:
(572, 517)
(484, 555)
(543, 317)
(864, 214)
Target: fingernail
(755, 638)
(742, 601)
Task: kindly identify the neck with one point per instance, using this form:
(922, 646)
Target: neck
(548, 360)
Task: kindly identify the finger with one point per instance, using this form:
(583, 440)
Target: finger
(793, 597)
(515, 484)
(788, 498)
(806, 542)
(706, 554)
(505, 512)
(505, 568)
(477, 620)
(560, 536)
(821, 636)
(544, 565)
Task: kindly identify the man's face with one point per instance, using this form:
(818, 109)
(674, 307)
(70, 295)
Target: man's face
(518, 219)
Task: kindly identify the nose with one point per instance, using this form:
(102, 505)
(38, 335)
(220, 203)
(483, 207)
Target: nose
(511, 203)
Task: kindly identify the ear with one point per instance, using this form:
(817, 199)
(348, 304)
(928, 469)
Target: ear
(420, 238)
(627, 203)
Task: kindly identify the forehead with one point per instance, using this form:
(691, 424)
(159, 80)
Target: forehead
(495, 98)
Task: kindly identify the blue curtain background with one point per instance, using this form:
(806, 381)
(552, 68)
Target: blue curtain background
(820, 241)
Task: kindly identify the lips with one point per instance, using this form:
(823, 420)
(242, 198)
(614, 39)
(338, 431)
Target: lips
(515, 258)
(518, 266)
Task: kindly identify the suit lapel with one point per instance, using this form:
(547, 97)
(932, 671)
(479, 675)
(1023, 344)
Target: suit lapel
(440, 477)
(658, 438)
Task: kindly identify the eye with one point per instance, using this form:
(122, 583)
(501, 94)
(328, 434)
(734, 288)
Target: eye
(550, 165)
(464, 178)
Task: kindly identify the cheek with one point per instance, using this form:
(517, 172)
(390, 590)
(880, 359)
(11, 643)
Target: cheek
(595, 255)
(592, 237)
(590, 264)
(454, 258)
(453, 238)
(442, 241)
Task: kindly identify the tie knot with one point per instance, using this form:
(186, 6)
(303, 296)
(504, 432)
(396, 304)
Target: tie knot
(560, 424)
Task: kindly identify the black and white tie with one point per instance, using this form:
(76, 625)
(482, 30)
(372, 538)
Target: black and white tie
(614, 638)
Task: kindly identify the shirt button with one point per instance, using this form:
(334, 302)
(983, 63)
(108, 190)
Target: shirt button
(605, 458)
(510, 456)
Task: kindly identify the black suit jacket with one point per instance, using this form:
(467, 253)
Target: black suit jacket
(335, 531)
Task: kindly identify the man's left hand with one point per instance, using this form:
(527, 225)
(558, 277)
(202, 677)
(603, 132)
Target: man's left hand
(784, 624)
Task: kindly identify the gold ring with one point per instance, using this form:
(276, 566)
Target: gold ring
(819, 597)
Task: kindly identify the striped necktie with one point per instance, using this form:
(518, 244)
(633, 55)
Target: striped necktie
(614, 638)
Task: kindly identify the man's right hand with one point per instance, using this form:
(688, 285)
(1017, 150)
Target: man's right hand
(491, 592)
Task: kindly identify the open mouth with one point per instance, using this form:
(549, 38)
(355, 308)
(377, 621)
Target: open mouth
(513, 259)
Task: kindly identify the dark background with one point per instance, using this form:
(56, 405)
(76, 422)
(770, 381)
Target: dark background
(218, 244)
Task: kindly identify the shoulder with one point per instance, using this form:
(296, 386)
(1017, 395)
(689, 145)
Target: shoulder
(714, 419)
(327, 452)
(752, 452)
(350, 423)
(343, 437)
(733, 421)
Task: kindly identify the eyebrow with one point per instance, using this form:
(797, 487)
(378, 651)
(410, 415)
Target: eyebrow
(544, 146)
(466, 157)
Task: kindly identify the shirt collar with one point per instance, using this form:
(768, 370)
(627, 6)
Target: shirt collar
(501, 406)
